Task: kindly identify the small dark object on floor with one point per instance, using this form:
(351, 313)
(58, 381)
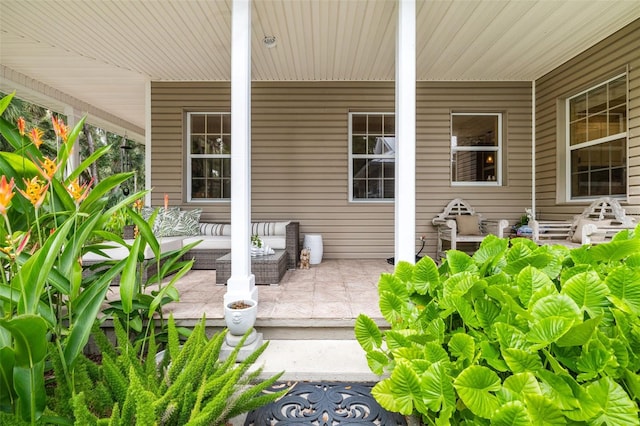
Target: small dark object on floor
(324, 404)
(392, 260)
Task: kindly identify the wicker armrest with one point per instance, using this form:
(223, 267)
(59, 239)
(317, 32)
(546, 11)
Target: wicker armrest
(293, 244)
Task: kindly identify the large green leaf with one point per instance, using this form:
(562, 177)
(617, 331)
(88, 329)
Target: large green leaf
(404, 271)
(513, 413)
(538, 260)
(396, 339)
(542, 411)
(367, 333)
(522, 384)
(486, 311)
(593, 360)
(88, 305)
(588, 291)
(399, 392)
(392, 284)
(377, 361)
(521, 361)
(559, 305)
(490, 250)
(558, 390)
(462, 346)
(34, 272)
(7, 392)
(30, 349)
(459, 261)
(476, 386)
(459, 284)
(548, 330)
(391, 307)
(437, 390)
(615, 250)
(623, 284)
(464, 309)
(579, 334)
(426, 279)
(510, 336)
(532, 281)
(129, 284)
(617, 407)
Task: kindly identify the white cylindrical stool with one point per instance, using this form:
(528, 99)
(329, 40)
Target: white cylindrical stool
(314, 243)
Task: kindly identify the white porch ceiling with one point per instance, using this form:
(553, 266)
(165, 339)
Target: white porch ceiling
(99, 55)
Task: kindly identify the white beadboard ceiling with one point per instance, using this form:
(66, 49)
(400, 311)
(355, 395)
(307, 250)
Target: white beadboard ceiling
(98, 55)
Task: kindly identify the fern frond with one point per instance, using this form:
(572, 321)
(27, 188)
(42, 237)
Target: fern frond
(80, 411)
(115, 379)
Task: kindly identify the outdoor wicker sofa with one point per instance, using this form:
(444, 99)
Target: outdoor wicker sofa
(215, 241)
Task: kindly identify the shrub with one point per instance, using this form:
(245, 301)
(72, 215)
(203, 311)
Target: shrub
(517, 334)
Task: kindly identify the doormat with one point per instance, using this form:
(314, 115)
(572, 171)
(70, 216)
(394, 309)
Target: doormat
(324, 404)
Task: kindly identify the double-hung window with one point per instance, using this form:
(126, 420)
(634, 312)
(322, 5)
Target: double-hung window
(597, 140)
(209, 156)
(476, 149)
(372, 157)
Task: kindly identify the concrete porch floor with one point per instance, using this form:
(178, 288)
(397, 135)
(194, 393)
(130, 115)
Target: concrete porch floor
(308, 318)
(332, 293)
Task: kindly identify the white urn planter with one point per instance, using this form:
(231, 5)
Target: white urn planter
(240, 317)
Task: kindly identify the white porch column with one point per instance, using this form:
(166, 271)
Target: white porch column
(147, 143)
(405, 203)
(241, 284)
(533, 149)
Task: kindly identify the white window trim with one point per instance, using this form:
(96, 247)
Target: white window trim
(190, 156)
(352, 156)
(496, 149)
(568, 147)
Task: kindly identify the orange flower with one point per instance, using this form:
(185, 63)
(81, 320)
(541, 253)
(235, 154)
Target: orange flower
(6, 193)
(59, 128)
(166, 201)
(79, 192)
(48, 168)
(36, 137)
(137, 205)
(35, 191)
(21, 125)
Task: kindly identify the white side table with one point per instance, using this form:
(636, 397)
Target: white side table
(314, 243)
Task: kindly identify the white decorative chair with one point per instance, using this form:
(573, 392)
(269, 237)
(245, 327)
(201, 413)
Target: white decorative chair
(597, 223)
(459, 223)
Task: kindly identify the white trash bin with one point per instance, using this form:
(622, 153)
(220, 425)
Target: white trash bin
(314, 243)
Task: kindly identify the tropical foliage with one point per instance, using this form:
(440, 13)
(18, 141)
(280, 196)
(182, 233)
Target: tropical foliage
(50, 303)
(517, 334)
(186, 384)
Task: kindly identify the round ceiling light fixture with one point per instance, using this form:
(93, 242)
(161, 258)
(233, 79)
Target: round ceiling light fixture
(270, 41)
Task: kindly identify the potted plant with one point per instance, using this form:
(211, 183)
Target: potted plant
(240, 317)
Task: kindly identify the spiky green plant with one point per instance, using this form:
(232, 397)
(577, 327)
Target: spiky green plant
(189, 385)
(517, 334)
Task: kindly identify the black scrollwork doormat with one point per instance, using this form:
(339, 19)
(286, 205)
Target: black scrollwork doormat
(324, 404)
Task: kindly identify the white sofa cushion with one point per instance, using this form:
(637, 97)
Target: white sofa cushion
(120, 252)
(210, 242)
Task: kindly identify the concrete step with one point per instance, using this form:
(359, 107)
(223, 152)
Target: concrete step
(316, 360)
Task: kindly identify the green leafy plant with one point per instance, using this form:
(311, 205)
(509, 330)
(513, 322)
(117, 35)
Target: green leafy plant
(47, 220)
(187, 384)
(517, 334)
(256, 241)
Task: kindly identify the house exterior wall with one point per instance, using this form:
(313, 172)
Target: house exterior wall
(300, 155)
(612, 56)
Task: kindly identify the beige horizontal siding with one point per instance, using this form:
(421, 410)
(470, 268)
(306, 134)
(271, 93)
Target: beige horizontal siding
(615, 54)
(300, 155)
